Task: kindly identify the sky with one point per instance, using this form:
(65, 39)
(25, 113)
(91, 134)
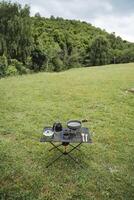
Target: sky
(112, 15)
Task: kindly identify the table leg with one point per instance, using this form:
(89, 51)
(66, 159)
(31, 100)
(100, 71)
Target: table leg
(74, 146)
(54, 147)
(75, 160)
(64, 153)
(54, 160)
(68, 153)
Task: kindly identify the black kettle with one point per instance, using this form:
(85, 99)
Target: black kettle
(57, 127)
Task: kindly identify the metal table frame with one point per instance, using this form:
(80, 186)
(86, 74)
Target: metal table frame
(65, 143)
(65, 152)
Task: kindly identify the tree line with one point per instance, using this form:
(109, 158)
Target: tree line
(33, 44)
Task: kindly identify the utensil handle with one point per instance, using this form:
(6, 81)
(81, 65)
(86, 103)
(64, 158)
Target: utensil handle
(83, 139)
(84, 120)
(86, 137)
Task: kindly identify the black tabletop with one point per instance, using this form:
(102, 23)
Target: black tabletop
(81, 136)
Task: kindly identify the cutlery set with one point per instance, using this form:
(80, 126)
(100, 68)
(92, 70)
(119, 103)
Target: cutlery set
(84, 137)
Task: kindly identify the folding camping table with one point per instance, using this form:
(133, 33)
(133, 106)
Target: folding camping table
(79, 138)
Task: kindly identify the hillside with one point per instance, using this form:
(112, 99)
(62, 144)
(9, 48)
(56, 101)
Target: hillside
(34, 44)
(30, 102)
(76, 42)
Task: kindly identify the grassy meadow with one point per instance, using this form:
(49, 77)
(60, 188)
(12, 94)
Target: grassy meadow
(30, 102)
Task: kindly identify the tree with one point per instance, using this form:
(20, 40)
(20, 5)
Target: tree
(37, 15)
(15, 31)
(39, 59)
(99, 51)
(3, 65)
(54, 44)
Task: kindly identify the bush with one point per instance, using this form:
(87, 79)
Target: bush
(3, 65)
(28, 62)
(57, 64)
(19, 66)
(11, 70)
(39, 60)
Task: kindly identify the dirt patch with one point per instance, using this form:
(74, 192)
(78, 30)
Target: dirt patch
(8, 136)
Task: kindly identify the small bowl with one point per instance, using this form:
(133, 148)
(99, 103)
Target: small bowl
(48, 133)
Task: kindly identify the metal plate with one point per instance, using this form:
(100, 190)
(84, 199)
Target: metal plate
(48, 133)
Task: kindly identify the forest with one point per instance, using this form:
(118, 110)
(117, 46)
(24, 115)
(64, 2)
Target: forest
(34, 44)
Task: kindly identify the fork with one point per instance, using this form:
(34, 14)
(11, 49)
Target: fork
(86, 136)
(83, 139)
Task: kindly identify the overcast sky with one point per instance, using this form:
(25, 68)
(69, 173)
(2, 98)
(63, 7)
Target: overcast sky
(112, 15)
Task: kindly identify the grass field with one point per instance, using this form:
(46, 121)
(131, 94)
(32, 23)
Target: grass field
(30, 102)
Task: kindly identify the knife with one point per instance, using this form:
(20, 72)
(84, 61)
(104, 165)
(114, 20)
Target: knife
(83, 137)
(86, 137)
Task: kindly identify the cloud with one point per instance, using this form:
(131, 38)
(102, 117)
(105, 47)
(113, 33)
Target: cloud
(122, 7)
(122, 25)
(112, 15)
(73, 9)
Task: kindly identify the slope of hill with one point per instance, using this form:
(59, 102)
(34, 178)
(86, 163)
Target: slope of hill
(33, 44)
(30, 102)
(69, 43)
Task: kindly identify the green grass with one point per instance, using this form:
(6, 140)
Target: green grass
(30, 102)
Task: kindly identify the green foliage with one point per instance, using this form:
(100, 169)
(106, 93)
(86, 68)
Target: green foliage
(76, 43)
(39, 60)
(11, 70)
(15, 31)
(99, 51)
(3, 65)
(57, 64)
(124, 56)
(19, 66)
(55, 44)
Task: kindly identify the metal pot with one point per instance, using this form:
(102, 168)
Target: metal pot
(74, 124)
